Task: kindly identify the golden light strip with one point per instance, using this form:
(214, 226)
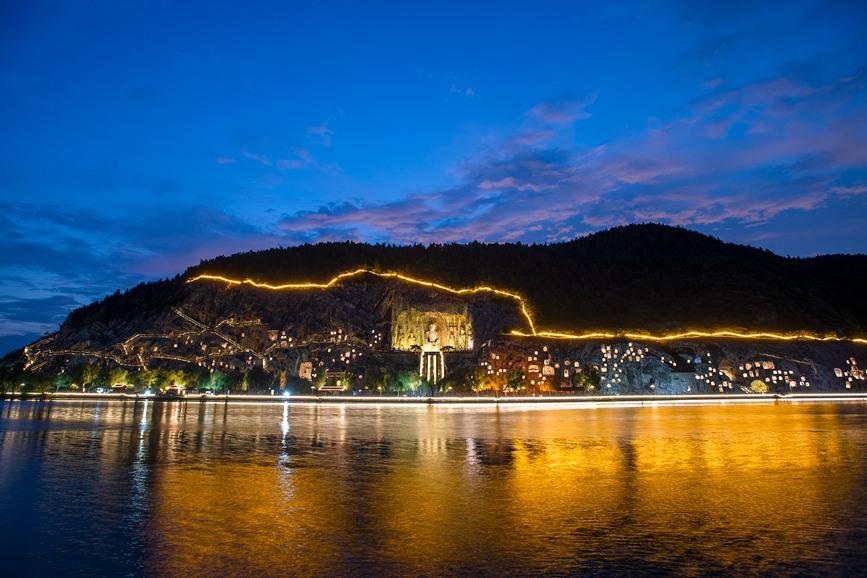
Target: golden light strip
(342, 276)
(695, 334)
(688, 335)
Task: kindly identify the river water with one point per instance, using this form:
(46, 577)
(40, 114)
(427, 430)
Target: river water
(182, 489)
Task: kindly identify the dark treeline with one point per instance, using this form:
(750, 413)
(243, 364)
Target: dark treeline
(143, 301)
(648, 276)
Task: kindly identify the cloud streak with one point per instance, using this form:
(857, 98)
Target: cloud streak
(562, 112)
(744, 156)
(53, 263)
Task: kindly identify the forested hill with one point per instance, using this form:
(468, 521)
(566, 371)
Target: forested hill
(651, 277)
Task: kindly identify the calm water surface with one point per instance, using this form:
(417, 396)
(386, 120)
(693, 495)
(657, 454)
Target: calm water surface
(182, 489)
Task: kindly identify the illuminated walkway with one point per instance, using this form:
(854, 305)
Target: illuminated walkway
(583, 400)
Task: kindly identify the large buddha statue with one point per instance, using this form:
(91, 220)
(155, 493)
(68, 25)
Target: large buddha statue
(432, 338)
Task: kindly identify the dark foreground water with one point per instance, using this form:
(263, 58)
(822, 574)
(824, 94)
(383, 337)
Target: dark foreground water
(185, 489)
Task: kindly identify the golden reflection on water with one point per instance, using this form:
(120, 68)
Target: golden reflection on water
(749, 480)
(427, 490)
(308, 489)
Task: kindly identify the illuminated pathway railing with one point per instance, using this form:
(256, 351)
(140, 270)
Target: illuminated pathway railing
(33, 362)
(520, 300)
(223, 336)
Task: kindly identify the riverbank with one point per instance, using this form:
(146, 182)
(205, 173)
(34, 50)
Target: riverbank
(505, 400)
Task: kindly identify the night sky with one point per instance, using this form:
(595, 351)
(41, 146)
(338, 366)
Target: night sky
(141, 137)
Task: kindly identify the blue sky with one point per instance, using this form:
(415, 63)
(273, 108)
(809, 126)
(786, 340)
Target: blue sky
(141, 137)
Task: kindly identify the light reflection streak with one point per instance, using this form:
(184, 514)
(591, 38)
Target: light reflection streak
(284, 468)
(472, 458)
(284, 425)
(139, 470)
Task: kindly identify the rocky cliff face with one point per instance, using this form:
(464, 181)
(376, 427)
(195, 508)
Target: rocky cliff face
(214, 324)
(348, 328)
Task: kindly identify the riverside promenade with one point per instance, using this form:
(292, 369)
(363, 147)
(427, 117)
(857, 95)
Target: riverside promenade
(447, 400)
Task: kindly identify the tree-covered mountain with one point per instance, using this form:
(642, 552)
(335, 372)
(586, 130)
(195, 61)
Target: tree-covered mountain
(649, 276)
(643, 278)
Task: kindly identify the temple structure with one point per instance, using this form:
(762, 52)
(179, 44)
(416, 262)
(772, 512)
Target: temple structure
(431, 327)
(412, 328)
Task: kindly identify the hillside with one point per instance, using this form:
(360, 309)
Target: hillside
(377, 331)
(651, 277)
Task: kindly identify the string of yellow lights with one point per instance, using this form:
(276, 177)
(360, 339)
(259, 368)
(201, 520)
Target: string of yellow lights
(693, 334)
(357, 272)
(33, 358)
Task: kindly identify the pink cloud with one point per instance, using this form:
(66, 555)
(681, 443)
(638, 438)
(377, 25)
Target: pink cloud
(711, 83)
(562, 112)
(304, 160)
(288, 165)
(533, 137)
(320, 135)
(260, 158)
(849, 191)
(468, 92)
(508, 183)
